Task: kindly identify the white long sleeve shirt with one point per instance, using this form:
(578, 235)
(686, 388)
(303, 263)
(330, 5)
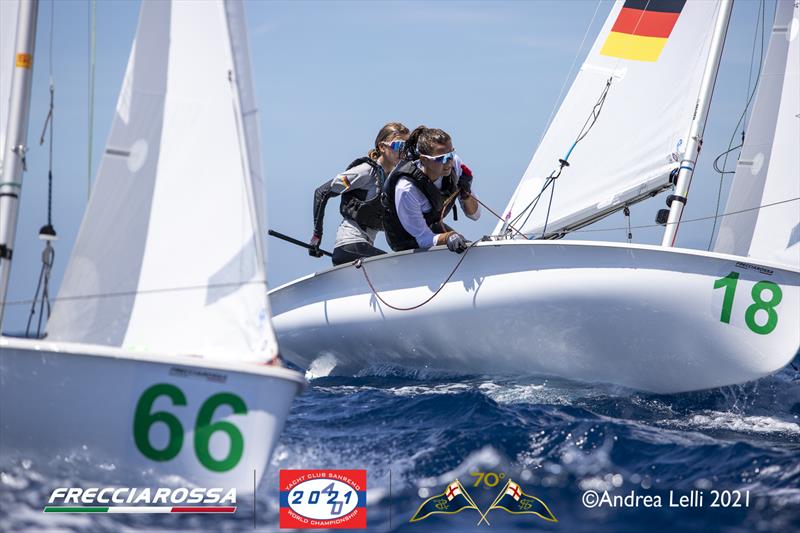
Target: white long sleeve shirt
(411, 205)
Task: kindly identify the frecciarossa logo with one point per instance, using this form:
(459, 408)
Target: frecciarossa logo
(323, 499)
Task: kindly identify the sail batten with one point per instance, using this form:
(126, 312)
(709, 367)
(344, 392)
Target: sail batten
(640, 134)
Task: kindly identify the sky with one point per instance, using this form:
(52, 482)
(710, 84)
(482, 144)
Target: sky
(328, 75)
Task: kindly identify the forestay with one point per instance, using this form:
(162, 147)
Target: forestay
(169, 256)
(8, 37)
(654, 52)
(769, 164)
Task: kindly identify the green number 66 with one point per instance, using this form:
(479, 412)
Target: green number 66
(144, 420)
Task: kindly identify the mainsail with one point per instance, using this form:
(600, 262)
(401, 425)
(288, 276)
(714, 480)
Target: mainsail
(169, 256)
(769, 164)
(653, 52)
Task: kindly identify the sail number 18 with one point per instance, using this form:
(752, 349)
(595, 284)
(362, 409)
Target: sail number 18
(774, 292)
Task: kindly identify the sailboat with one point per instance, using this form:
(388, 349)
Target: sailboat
(160, 357)
(652, 318)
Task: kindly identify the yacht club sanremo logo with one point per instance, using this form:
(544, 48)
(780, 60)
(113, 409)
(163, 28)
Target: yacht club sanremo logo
(510, 499)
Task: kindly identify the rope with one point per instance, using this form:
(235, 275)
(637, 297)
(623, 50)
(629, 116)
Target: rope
(48, 256)
(722, 170)
(47, 232)
(142, 292)
(498, 216)
(360, 265)
(569, 72)
(549, 205)
(627, 212)
(700, 219)
(92, 48)
(591, 120)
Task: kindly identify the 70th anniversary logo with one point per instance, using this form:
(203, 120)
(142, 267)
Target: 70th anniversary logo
(511, 499)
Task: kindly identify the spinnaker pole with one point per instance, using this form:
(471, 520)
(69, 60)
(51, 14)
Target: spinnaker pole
(16, 140)
(677, 200)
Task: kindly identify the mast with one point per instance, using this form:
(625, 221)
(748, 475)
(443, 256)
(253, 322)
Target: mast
(677, 200)
(16, 138)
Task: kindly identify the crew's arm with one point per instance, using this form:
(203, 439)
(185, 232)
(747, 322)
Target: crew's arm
(409, 203)
(355, 178)
(321, 196)
(469, 205)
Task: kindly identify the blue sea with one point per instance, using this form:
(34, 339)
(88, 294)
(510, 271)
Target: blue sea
(415, 433)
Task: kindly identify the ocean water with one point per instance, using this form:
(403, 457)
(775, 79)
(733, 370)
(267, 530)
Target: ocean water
(415, 433)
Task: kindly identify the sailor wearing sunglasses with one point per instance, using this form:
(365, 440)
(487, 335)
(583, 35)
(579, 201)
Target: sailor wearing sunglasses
(359, 186)
(419, 194)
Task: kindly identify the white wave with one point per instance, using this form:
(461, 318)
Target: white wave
(445, 388)
(740, 423)
(321, 367)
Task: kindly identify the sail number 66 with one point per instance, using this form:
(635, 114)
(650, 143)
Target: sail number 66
(143, 420)
(759, 303)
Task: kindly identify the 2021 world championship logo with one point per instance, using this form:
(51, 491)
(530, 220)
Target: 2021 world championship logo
(323, 499)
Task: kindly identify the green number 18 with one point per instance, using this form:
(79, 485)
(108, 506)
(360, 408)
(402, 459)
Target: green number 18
(729, 283)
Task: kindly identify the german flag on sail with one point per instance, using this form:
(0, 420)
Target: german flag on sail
(642, 29)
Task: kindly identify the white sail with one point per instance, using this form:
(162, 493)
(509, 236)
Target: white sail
(769, 165)
(8, 38)
(654, 52)
(169, 256)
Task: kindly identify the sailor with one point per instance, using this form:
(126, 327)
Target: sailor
(421, 191)
(360, 186)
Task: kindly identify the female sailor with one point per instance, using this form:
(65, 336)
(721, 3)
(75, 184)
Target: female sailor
(421, 191)
(360, 186)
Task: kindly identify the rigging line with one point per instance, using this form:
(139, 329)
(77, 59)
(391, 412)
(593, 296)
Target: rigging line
(566, 79)
(752, 56)
(699, 219)
(743, 118)
(591, 120)
(716, 161)
(549, 205)
(569, 72)
(359, 263)
(47, 232)
(531, 207)
(50, 120)
(627, 213)
(92, 5)
(146, 292)
(498, 216)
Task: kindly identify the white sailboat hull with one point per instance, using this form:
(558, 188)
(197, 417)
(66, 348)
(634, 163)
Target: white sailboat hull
(63, 398)
(644, 317)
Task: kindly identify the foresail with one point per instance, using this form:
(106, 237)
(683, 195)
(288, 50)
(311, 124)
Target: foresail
(169, 256)
(763, 201)
(653, 53)
(8, 36)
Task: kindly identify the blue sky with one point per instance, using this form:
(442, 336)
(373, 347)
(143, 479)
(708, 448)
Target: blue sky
(328, 75)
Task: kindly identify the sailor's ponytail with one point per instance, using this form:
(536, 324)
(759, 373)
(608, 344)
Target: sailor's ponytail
(421, 141)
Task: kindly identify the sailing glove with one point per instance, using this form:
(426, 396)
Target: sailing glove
(313, 246)
(465, 182)
(456, 243)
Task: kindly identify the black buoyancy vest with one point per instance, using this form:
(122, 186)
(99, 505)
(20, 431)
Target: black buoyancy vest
(396, 235)
(368, 214)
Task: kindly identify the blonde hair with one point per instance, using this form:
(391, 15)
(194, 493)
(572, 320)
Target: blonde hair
(391, 129)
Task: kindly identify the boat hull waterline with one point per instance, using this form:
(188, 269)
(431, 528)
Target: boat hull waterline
(656, 319)
(159, 416)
